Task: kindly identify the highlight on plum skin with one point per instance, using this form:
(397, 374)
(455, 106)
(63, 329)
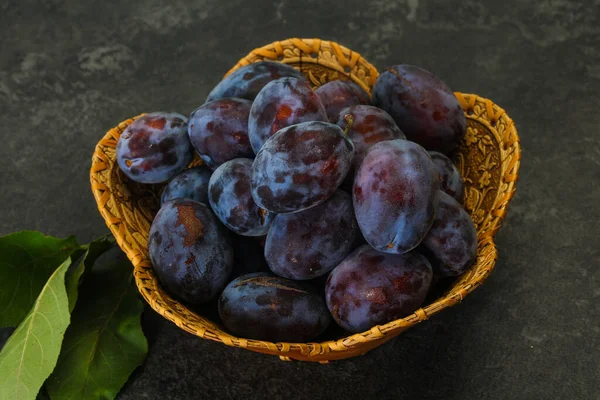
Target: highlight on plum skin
(230, 196)
(190, 251)
(337, 95)
(300, 167)
(190, 184)
(266, 307)
(372, 288)
(154, 148)
(423, 107)
(247, 81)
(219, 131)
(396, 195)
(281, 103)
(310, 243)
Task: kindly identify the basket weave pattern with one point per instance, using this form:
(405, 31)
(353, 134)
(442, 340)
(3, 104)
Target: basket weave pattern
(488, 159)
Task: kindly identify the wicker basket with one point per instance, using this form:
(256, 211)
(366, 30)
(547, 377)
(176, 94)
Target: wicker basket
(488, 160)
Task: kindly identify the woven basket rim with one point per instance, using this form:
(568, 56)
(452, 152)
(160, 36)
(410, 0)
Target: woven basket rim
(315, 51)
(477, 108)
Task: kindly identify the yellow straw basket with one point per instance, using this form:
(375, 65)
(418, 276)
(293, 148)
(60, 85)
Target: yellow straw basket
(488, 159)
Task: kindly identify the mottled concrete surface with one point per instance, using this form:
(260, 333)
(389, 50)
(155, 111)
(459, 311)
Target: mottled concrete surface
(69, 70)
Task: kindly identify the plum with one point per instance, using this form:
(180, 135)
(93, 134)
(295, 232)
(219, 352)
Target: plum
(451, 243)
(230, 196)
(154, 148)
(396, 195)
(246, 82)
(265, 307)
(423, 107)
(371, 288)
(337, 95)
(451, 181)
(219, 131)
(190, 251)
(300, 167)
(369, 125)
(190, 184)
(311, 243)
(281, 103)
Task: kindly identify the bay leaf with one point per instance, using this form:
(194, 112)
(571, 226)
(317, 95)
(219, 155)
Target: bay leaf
(31, 352)
(27, 260)
(104, 343)
(75, 274)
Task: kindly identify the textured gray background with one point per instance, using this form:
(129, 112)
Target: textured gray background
(70, 70)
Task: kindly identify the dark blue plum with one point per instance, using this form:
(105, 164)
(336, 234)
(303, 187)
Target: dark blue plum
(219, 131)
(396, 195)
(300, 167)
(190, 184)
(281, 103)
(190, 251)
(311, 243)
(451, 244)
(450, 180)
(423, 107)
(155, 148)
(371, 288)
(230, 196)
(246, 82)
(337, 95)
(370, 125)
(265, 307)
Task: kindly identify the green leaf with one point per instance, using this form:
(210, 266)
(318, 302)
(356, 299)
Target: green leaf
(105, 342)
(27, 260)
(92, 252)
(30, 354)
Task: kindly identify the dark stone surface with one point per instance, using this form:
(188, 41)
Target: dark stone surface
(70, 70)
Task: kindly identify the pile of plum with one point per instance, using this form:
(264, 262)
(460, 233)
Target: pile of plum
(310, 205)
